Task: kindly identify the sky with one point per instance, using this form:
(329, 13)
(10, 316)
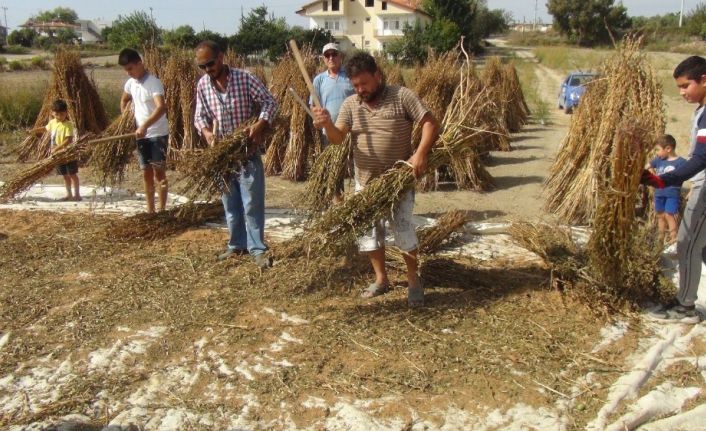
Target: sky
(222, 15)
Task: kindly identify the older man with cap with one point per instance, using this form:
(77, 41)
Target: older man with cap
(332, 87)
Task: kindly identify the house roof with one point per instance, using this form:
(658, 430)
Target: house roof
(52, 25)
(413, 5)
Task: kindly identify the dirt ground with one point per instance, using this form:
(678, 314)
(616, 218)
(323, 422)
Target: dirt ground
(160, 335)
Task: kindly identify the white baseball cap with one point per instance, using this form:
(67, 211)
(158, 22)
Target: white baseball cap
(329, 47)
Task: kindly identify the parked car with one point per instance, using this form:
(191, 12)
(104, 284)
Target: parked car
(572, 89)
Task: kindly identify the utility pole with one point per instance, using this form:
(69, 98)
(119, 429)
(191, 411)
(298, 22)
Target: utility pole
(534, 24)
(151, 14)
(681, 13)
(4, 9)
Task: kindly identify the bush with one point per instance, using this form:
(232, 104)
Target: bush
(38, 63)
(15, 65)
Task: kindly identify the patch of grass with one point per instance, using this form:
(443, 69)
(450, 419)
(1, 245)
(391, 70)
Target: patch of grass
(15, 66)
(15, 49)
(110, 98)
(20, 105)
(540, 111)
(38, 63)
(566, 59)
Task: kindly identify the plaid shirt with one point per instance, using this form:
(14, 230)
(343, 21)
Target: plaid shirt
(244, 94)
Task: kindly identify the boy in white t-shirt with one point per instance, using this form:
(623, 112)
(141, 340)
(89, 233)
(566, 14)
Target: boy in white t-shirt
(147, 95)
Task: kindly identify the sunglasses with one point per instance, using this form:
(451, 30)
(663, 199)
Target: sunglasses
(331, 54)
(207, 65)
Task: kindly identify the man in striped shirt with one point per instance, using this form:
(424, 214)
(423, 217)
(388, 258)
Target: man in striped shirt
(231, 96)
(380, 119)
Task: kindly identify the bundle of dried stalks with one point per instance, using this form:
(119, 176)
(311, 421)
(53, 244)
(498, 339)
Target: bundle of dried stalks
(260, 73)
(276, 146)
(339, 225)
(302, 134)
(391, 71)
(109, 160)
(517, 110)
(431, 238)
(27, 177)
(326, 176)
(154, 226)
(628, 88)
(70, 83)
(207, 172)
(556, 248)
(468, 173)
(231, 58)
(179, 77)
(614, 240)
(153, 59)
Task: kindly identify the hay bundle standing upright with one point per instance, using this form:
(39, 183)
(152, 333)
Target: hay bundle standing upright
(147, 95)
(228, 97)
(380, 119)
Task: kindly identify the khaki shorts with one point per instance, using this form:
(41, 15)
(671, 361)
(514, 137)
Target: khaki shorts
(401, 224)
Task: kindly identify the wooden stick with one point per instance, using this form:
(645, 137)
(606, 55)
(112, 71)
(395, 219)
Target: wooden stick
(215, 132)
(111, 138)
(301, 102)
(305, 74)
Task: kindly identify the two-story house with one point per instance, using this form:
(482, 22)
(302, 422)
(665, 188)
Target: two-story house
(364, 24)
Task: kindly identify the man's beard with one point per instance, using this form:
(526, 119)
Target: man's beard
(371, 97)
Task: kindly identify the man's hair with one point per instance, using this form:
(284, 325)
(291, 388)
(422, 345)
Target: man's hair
(360, 62)
(213, 46)
(127, 56)
(692, 68)
(665, 141)
(59, 106)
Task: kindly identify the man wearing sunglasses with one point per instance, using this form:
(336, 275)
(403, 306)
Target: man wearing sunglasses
(332, 87)
(229, 97)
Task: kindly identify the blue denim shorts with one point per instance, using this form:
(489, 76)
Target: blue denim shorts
(152, 152)
(667, 204)
(70, 168)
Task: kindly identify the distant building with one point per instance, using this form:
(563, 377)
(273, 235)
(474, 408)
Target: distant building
(364, 24)
(48, 28)
(89, 31)
(3, 35)
(523, 27)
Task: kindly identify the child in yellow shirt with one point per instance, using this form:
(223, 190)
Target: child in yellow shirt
(62, 133)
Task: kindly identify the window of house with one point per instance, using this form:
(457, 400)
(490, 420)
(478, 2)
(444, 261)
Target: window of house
(384, 5)
(332, 25)
(367, 43)
(369, 3)
(335, 5)
(355, 22)
(367, 19)
(325, 6)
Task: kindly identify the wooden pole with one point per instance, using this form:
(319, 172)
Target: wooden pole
(305, 74)
(111, 138)
(299, 100)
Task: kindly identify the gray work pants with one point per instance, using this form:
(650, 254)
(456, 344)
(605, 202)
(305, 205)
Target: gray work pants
(691, 245)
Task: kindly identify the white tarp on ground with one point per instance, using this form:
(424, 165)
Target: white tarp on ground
(660, 346)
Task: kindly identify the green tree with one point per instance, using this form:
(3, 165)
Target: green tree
(24, 37)
(587, 22)
(133, 31)
(63, 14)
(695, 22)
(65, 36)
(182, 36)
(221, 40)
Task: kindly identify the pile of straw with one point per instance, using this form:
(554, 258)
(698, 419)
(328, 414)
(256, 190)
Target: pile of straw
(506, 92)
(431, 238)
(391, 72)
(27, 177)
(179, 76)
(339, 225)
(109, 160)
(153, 60)
(150, 227)
(207, 172)
(628, 90)
(327, 175)
(70, 83)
